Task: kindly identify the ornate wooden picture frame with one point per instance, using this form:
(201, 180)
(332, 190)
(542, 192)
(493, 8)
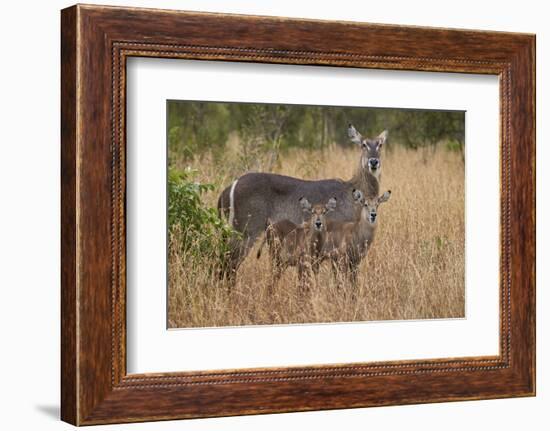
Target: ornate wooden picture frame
(96, 42)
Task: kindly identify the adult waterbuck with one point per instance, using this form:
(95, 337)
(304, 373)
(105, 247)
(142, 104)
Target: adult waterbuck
(256, 197)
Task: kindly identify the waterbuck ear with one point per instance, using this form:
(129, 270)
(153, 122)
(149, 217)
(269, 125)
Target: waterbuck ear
(382, 137)
(331, 204)
(357, 195)
(385, 197)
(354, 135)
(304, 203)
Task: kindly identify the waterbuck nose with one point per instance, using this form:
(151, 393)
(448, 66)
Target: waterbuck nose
(318, 224)
(374, 163)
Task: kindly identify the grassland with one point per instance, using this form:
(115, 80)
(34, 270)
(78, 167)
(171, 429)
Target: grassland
(414, 270)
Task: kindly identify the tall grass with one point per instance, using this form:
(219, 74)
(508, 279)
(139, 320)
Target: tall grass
(414, 269)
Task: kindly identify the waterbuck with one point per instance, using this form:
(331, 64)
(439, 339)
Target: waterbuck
(298, 245)
(347, 243)
(254, 198)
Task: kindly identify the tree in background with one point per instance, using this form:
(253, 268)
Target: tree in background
(264, 130)
(261, 129)
(194, 127)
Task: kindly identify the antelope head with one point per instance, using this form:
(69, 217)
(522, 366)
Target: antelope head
(316, 213)
(370, 207)
(370, 149)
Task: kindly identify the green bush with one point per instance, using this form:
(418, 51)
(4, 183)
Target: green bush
(200, 229)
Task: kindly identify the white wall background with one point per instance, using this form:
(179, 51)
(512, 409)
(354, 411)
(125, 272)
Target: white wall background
(29, 214)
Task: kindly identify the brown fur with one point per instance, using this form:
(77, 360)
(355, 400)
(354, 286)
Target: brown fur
(298, 245)
(347, 243)
(259, 196)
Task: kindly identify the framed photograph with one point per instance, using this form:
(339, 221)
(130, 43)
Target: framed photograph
(264, 215)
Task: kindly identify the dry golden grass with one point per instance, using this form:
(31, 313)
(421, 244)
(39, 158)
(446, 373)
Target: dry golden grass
(414, 270)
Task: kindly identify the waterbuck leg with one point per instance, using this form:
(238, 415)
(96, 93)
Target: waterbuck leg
(277, 272)
(315, 264)
(230, 261)
(304, 275)
(352, 273)
(277, 268)
(238, 250)
(335, 269)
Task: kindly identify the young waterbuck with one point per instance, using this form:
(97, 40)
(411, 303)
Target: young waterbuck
(347, 243)
(298, 245)
(254, 198)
